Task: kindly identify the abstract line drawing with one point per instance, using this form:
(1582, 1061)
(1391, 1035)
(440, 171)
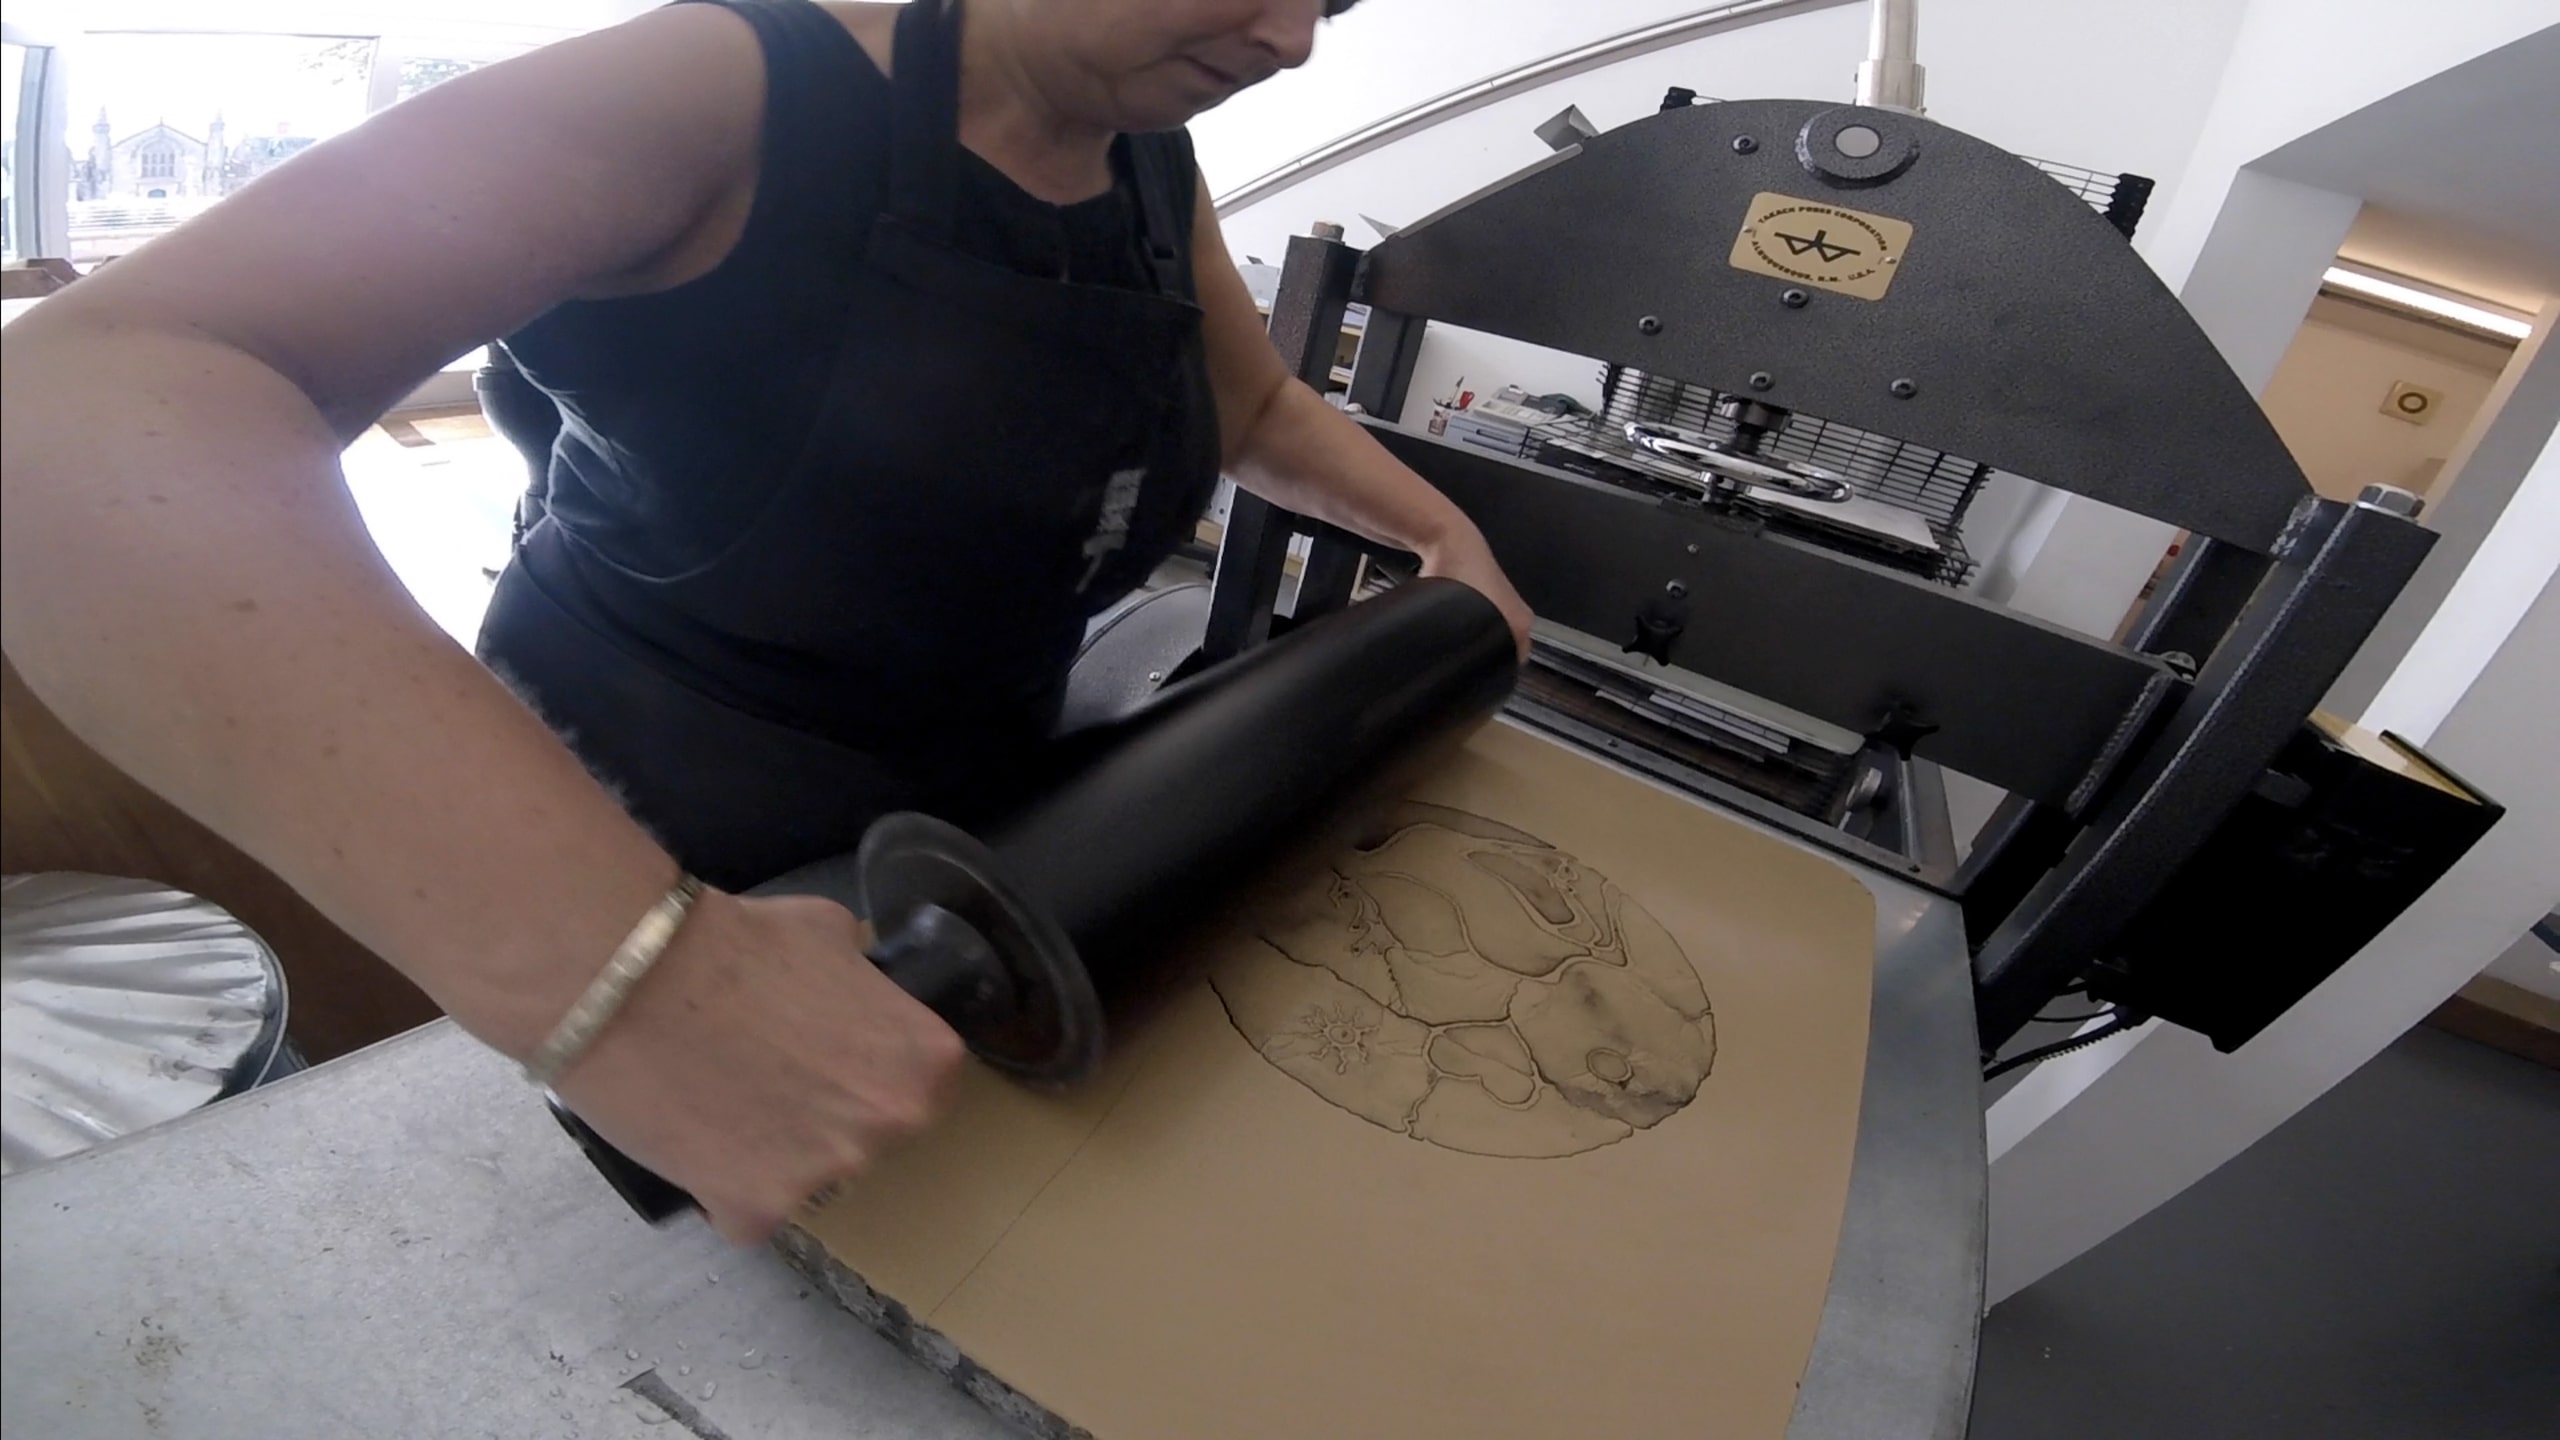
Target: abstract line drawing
(1465, 983)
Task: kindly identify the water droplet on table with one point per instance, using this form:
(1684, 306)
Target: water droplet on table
(630, 1354)
(752, 1360)
(684, 1369)
(614, 1295)
(710, 1388)
(679, 1344)
(655, 1417)
(715, 1277)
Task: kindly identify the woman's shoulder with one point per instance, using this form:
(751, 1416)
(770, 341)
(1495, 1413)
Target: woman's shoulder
(835, 42)
(804, 143)
(823, 128)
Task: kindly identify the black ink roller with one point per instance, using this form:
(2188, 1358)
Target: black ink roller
(1162, 818)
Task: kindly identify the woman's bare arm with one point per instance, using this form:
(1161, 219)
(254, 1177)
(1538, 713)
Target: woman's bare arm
(1284, 442)
(187, 582)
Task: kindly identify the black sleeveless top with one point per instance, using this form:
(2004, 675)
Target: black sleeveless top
(826, 523)
(682, 411)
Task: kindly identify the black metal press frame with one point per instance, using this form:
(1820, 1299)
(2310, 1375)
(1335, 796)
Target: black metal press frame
(2018, 328)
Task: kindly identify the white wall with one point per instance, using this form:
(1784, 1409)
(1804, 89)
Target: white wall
(2529, 965)
(2091, 82)
(2326, 397)
(1383, 58)
(2292, 67)
(2296, 65)
(2008, 523)
(2479, 479)
(2513, 566)
(525, 22)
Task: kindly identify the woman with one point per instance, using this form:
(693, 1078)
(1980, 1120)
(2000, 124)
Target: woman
(888, 350)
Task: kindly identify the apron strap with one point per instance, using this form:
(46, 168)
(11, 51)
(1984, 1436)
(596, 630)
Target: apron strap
(924, 172)
(1160, 190)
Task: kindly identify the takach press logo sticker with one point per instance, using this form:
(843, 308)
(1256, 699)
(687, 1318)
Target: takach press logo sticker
(1829, 246)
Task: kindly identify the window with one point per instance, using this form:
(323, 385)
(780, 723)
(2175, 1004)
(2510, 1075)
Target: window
(13, 74)
(231, 108)
(147, 128)
(421, 72)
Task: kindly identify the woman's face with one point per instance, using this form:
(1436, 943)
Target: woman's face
(1153, 64)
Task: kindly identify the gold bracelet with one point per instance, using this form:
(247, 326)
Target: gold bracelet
(631, 959)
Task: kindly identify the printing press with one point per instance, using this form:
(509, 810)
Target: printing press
(1822, 328)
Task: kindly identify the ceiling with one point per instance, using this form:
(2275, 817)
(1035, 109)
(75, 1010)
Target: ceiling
(2452, 255)
(2459, 173)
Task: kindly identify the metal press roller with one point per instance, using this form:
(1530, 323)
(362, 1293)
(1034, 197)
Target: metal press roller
(1161, 818)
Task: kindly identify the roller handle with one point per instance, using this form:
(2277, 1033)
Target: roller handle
(653, 1196)
(936, 956)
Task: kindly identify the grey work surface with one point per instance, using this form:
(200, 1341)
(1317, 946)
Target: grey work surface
(2382, 1266)
(401, 1242)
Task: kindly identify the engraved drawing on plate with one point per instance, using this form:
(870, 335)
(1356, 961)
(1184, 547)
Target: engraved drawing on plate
(1468, 984)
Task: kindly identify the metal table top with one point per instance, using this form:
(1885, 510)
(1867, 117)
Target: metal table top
(401, 1242)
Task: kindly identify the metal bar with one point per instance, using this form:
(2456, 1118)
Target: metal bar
(1328, 580)
(1253, 554)
(2204, 591)
(1906, 816)
(1688, 779)
(1382, 373)
(2130, 196)
(2133, 732)
(1920, 801)
(1449, 105)
(2300, 629)
(1919, 1132)
(2026, 706)
(1306, 313)
(1892, 77)
(40, 217)
(2017, 847)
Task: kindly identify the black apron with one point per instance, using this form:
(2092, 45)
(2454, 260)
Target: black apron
(1000, 457)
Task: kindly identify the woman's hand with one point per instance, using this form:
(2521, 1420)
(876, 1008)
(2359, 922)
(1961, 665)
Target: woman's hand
(764, 1059)
(1465, 556)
